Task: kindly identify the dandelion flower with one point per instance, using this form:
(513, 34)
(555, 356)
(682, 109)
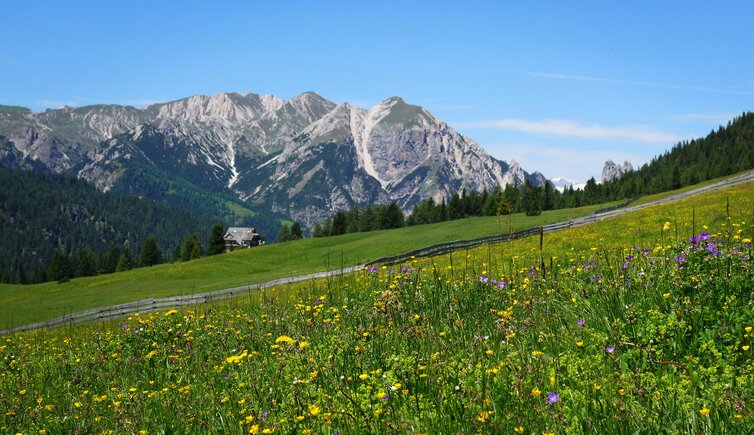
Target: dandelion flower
(704, 411)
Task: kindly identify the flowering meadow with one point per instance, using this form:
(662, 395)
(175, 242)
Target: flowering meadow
(637, 324)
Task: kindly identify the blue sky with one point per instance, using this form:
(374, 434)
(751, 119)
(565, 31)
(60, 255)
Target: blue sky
(558, 86)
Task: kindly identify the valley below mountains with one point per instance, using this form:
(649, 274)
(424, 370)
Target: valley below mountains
(303, 158)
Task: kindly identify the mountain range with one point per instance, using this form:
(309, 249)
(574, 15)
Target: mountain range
(304, 157)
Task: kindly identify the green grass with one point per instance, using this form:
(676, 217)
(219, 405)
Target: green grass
(32, 303)
(239, 210)
(663, 195)
(632, 329)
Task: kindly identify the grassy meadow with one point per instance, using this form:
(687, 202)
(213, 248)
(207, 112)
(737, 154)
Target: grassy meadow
(636, 324)
(26, 304)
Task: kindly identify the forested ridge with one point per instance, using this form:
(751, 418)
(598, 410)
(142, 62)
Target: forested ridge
(43, 215)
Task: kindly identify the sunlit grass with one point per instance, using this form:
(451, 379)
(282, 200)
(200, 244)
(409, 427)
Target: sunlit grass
(26, 304)
(629, 327)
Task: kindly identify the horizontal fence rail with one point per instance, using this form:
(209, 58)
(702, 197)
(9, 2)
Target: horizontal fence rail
(158, 304)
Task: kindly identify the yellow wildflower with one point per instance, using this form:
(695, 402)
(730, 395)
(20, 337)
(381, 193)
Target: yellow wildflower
(704, 411)
(314, 410)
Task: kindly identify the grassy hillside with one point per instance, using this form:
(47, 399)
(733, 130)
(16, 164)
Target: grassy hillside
(637, 324)
(27, 304)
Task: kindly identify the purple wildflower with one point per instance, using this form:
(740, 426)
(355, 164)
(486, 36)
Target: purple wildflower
(484, 279)
(713, 250)
(502, 283)
(704, 236)
(385, 397)
(597, 278)
(124, 326)
(372, 269)
(581, 322)
(610, 349)
(694, 240)
(553, 397)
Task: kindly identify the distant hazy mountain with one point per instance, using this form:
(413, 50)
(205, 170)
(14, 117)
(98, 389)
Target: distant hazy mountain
(304, 157)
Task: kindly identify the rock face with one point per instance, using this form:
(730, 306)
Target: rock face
(612, 171)
(304, 157)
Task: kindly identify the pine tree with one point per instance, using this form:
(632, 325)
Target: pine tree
(191, 248)
(124, 262)
(532, 199)
(86, 264)
(20, 274)
(296, 231)
(353, 220)
(549, 197)
(392, 217)
(109, 260)
(216, 240)
(40, 275)
(455, 208)
(150, 253)
(284, 234)
(339, 223)
(60, 268)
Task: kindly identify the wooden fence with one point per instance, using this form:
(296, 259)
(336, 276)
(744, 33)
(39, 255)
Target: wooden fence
(149, 305)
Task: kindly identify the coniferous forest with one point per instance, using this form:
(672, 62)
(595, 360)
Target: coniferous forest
(726, 151)
(56, 227)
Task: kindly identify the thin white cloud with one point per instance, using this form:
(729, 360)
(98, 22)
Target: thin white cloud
(735, 90)
(457, 107)
(560, 161)
(708, 117)
(559, 127)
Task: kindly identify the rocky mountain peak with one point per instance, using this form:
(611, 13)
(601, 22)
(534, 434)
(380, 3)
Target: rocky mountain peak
(304, 157)
(611, 170)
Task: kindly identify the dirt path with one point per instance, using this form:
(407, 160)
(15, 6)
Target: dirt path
(149, 305)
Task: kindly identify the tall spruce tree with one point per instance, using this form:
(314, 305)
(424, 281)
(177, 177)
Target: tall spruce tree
(124, 262)
(296, 231)
(191, 249)
(532, 199)
(61, 268)
(216, 244)
(150, 253)
(284, 234)
(86, 265)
